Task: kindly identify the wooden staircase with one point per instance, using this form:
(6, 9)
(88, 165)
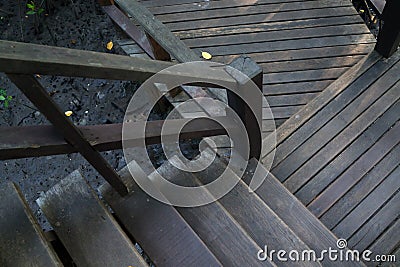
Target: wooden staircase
(228, 232)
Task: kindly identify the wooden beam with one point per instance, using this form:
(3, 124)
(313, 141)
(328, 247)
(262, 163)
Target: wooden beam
(45, 140)
(22, 242)
(35, 92)
(158, 31)
(23, 58)
(16, 57)
(129, 28)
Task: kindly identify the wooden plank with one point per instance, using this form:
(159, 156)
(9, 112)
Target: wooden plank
(211, 221)
(292, 99)
(378, 5)
(376, 225)
(130, 29)
(360, 191)
(353, 174)
(368, 207)
(310, 53)
(396, 253)
(255, 217)
(311, 64)
(318, 151)
(343, 160)
(18, 57)
(303, 75)
(159, 32)
(269, 26)
(33, 141)
(38, 95)
(295, 88)
(22, 242)
(385, 244)
(85, 226)
(265, 9)
(305, 225)
(272, 36)
(190, 6)
(305, 43)
(323, 108)
(282, 112)
(157, 3)
(157, 227)
(243, 19)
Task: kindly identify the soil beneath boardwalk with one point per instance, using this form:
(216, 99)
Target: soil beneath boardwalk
(82, 25)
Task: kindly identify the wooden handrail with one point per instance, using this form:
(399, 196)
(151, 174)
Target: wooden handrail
(46, 140)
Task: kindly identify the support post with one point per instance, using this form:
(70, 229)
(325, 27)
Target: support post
(249, 67)
(35, 92)
(389, 36)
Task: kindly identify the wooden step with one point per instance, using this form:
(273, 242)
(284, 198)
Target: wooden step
(84, 225)
(261, 223)
(295, 215)
(22, 242)
(224, 236)
(159, 229)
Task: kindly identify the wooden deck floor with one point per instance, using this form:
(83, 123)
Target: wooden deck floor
(303, 46)
(343, 162)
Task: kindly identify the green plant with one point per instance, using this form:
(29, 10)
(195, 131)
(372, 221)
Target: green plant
(4, 98)
(33, 9)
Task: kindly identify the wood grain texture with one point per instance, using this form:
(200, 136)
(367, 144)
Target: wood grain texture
(158, 228)
(22, 242)
(84, 225)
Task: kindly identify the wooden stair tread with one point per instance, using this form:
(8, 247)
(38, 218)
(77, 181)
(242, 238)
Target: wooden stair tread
(215, 226)
(161, 231)
(303, 223)
(251, 212)
(22, 242)
(86, 228)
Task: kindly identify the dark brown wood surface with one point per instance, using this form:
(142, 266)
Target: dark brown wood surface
(84, 225)
(279, 33)
(158, 228)
(224, 236)
(22, 242)
(31, 141)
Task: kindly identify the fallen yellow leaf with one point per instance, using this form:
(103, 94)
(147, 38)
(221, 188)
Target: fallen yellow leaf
(68, 113)
(110, 45)
(206, 55)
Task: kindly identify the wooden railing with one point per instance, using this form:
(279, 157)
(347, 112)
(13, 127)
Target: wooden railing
(20, 61)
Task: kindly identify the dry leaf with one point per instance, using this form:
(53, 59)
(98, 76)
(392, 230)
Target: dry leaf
(206, 55)
(110, 45)
(68, 113)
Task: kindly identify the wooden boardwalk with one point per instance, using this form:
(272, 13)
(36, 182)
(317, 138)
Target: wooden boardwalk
(303, 46)
(343, 161)
(335, 174)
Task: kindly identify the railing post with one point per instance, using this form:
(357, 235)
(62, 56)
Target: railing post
(250, 68)
(389, 35)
